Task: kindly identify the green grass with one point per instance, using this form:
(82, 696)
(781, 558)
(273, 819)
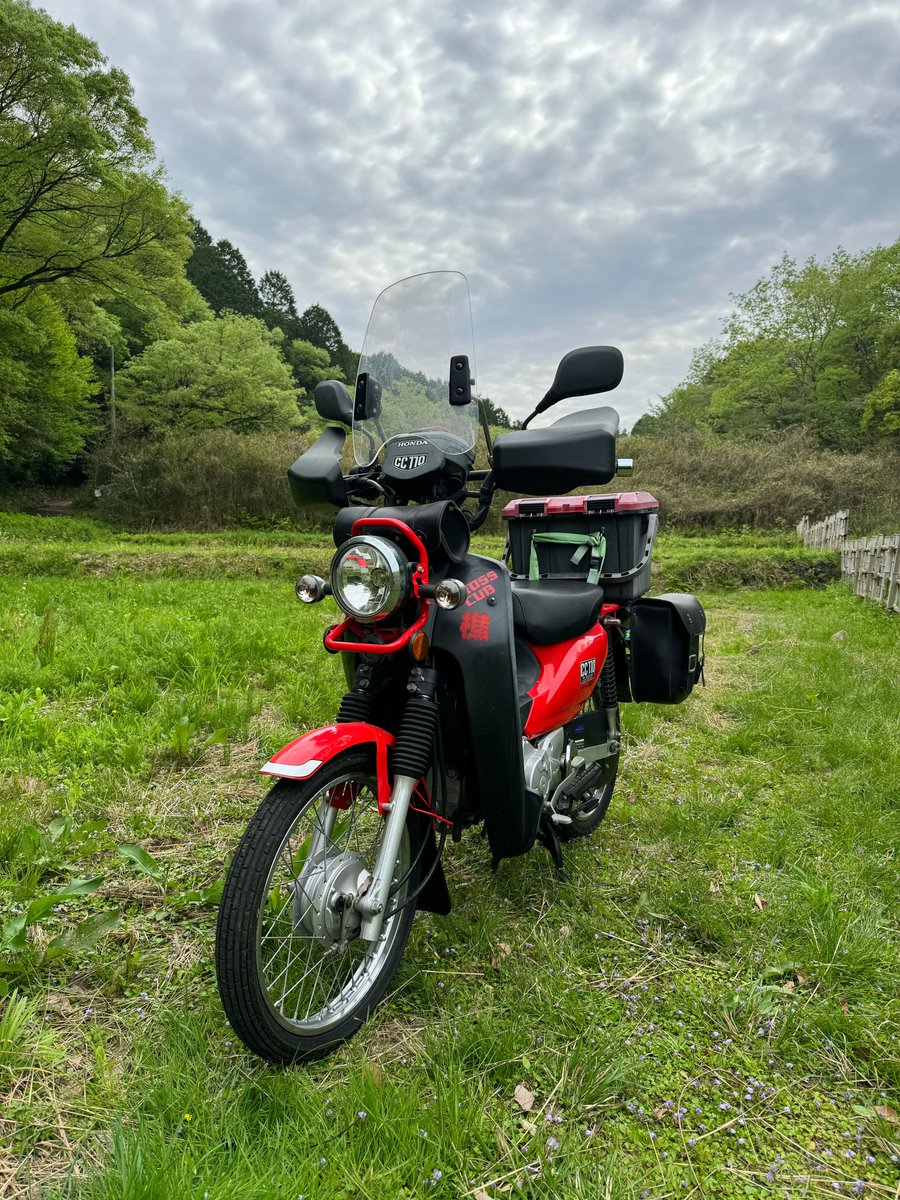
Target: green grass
(52, 546)
(728, 937)
(740, 559)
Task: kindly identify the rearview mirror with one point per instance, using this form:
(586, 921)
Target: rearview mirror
(333, 402)
(583, 372)
(586, 372)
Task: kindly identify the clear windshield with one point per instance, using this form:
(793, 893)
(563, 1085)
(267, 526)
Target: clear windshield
(417, 326)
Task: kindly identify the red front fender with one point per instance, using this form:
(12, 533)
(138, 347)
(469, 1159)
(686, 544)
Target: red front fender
(302, 757)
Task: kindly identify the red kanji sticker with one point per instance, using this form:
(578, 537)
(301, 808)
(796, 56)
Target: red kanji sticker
(475, 627)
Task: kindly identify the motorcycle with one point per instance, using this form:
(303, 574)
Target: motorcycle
(480, 693)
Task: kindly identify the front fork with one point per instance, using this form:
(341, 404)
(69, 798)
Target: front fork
(374, 900)
(413, 756)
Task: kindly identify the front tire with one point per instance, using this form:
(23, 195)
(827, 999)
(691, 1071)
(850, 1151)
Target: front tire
(294, 977)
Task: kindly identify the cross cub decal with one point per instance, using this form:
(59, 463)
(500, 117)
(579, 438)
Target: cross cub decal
(480, 588)
(588, 669)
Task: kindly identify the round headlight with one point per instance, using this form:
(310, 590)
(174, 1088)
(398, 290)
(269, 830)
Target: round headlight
(369, 577)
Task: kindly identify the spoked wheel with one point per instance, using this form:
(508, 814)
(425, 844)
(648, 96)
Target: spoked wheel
(591, 807)
(295, 977)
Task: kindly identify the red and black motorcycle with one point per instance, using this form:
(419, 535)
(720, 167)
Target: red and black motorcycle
(479, 692)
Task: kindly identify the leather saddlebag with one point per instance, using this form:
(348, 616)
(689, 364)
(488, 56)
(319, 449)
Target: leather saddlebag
(666, 647)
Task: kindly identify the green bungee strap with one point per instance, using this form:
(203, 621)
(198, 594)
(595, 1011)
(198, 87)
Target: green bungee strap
(593, 542)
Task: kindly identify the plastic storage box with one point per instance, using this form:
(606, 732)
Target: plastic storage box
(605, 539)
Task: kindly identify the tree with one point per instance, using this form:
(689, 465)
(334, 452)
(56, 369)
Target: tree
(277, 295)
(222, 374)
(318, 326)
(882, 411)
(309, 365)
(220, 273)
(81, 201)
(497, 416)
(803, 348)
(45, 390)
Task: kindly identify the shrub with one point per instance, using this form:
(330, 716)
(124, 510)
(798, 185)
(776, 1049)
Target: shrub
(710, 483)
(218, 479)
(212, 480)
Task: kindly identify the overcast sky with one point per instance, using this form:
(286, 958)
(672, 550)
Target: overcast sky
(602, 172)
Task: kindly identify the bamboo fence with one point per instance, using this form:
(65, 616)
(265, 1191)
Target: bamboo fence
(829, 534)
(871, 565)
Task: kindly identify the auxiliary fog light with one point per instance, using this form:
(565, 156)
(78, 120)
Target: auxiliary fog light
(450, 593)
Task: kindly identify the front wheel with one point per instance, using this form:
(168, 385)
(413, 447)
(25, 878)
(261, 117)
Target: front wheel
(294, 976)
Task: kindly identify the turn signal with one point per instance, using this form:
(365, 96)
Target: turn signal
(311, 588)
(450, 593)
(419, 647)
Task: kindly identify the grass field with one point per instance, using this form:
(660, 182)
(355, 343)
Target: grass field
(709, 1007)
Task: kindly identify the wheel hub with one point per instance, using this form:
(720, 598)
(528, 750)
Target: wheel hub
(323, 897)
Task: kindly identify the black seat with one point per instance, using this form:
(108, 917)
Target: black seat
(554, 610)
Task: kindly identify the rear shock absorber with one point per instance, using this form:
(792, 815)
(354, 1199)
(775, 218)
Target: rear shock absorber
(609, 696)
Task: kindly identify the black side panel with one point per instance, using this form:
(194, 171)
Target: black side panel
(666, 657)
(315, 478)
(479, 636)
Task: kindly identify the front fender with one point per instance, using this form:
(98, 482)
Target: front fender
(302, 757)
(306, 754)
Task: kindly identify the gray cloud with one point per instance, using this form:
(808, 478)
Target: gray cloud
(602, 172)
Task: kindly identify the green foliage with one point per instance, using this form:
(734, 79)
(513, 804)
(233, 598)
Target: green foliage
(220, 273)
(25, 1041)
(45, 389)
(142, 862)
(807, 347)
(497, 417)
(92, 244)
(309, 365)
(709, 482)
(222, 374)
(215, 479)
(279, 308)
(80, 198)
(883, 406)
(748, 560)
(319, 327)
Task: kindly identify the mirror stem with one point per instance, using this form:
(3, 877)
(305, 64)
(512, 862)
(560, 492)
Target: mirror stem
(487, 434)
(547, 401)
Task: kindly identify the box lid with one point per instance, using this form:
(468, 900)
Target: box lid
(554, 506)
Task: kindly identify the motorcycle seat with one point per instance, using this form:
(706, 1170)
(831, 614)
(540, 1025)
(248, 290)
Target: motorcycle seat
(546, 611)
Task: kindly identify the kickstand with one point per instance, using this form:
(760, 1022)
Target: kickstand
(549, 838)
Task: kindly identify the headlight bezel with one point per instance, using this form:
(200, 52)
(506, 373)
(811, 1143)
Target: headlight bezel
(396, 588)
